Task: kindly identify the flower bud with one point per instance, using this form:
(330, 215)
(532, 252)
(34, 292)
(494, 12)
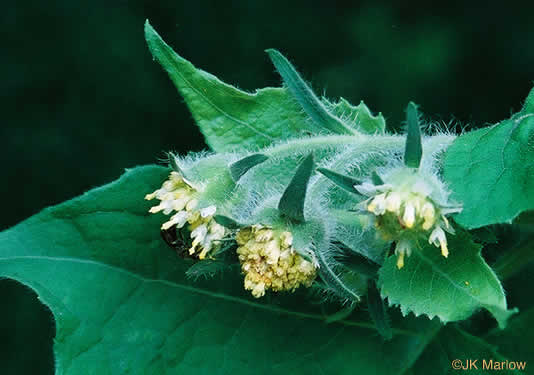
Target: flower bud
(269, 261)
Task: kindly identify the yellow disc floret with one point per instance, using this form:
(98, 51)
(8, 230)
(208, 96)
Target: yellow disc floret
(269, 261)
(179, 196)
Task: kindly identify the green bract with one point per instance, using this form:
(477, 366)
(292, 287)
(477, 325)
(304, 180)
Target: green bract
(310, 205)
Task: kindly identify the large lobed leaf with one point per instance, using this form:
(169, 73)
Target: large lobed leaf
(123, 305)
(232, 119)
(228, 117)
(491, 170)
(450, 288)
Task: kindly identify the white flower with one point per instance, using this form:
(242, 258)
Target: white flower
(438, 239)
(178, 219)
(393, 202)
(378, 204)
(208, 211)
(409, 215)
(429, 215)
(180, 196)
(408, 205)
(403, 247)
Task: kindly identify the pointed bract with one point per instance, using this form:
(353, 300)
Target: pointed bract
(227, 222)
(345, 182)
(377, 180)
(414, 149)
(240, 167)
(305, 96)
(291, 204)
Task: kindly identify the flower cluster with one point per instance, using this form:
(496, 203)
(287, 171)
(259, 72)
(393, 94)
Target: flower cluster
(269, 261)
(407, 208)
(179, 195)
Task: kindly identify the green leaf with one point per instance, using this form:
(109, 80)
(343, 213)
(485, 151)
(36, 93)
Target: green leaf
(123, 304)
(450, 288)
(291, 204)
(414, 148)
(358, 117)
(345, 182)
(229, 118)
(240, 167)
(378, 311)
(454, 344)
(306, 97)
(516, 340)
(490, 172)
(528, 106)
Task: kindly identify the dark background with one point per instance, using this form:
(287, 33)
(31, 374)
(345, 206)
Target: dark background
(81, 98)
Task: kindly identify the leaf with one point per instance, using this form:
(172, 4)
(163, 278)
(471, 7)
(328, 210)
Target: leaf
(292, 202)
(229, 118)
(240, 167)
(378, 311)
(414, 148)
(454, 344)
(305, 96)
(490, 171)
(123, 304)
(359, 117)
(515, 341)
(345, 182)
(528, 106)
(451, 288)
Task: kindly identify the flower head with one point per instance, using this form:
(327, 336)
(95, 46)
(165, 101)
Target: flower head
(407, 206)
(179, 196)
(269, 261)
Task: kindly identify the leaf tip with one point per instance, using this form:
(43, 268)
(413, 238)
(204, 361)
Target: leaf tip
(291, 203)
(414, 149)
(149, 29)
(242, 166)
(528, 106)
(345, 182)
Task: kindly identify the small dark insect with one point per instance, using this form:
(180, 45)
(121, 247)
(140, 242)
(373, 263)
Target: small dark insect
(175, 240)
